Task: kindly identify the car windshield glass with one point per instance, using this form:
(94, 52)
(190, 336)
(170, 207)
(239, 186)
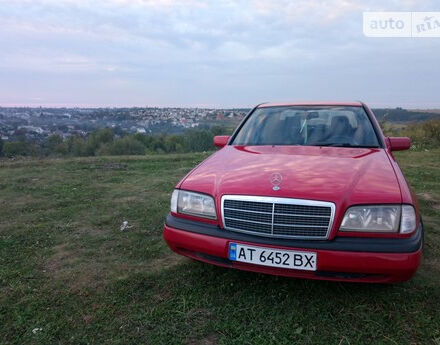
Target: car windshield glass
(309, 126)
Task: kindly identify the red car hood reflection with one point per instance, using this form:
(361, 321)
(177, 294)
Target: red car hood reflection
(345, 176)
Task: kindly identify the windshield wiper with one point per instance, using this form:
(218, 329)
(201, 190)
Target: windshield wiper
(345, 145)
(324, 144)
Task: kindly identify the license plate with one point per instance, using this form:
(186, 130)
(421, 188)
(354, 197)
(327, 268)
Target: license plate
(273, 257)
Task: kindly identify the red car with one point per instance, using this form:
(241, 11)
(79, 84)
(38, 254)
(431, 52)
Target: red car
(308, 190)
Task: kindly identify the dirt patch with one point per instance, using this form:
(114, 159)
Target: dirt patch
(65, 265)
(60, 260)
(162, 296)
(80, 273)
(127, 199)
(171, 260)
(4, 290)
(24, 180)
(210, 339)
(87, 319)
(109, 166)
(432, 262)
(91, 276)
(24, 200)
(89, 231)
(434, 203)
(425, 196)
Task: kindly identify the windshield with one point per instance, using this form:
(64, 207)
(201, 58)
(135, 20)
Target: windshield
(308, 125)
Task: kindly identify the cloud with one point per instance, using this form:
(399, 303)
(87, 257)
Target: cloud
(193, 52)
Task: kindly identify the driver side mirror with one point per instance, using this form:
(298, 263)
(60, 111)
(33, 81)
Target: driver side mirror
(399, 143)
(221, 140)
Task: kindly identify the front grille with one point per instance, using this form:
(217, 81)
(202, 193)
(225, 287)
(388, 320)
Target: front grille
(278, 217)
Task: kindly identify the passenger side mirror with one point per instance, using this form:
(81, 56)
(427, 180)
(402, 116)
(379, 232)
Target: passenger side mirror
(221, 140)
(399, 143)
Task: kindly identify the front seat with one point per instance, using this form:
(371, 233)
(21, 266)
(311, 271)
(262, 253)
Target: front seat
(340, 127)
(291, 130)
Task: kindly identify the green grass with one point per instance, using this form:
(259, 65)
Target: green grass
(66, 267)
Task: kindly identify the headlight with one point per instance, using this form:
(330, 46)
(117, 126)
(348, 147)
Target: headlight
(379, 218)
(194, 204)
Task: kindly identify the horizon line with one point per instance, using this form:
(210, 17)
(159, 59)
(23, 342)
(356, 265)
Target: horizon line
(201, 106)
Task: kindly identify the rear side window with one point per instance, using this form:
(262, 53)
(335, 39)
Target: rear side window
(309, 126)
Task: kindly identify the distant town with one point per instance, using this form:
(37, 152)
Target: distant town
(39, 123)
(36, 124)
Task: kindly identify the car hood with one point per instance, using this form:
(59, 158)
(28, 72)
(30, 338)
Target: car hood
(345, 176)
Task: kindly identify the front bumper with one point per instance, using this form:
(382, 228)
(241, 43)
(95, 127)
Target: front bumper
(379, 260)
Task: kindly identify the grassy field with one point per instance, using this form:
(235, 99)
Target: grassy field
(69, 275)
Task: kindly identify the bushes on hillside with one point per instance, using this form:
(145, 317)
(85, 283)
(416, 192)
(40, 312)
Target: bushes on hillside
(104, 142)
(424, 135)
(15, 148)
(56, 145)
(124, 146)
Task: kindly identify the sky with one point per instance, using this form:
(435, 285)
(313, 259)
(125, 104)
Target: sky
(189, 53)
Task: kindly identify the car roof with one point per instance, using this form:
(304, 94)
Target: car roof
(343, 104)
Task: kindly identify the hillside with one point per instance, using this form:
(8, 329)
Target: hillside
(405, 116)
(69, 275)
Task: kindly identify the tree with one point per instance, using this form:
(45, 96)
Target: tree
(104, 136)
(173, 143)
(75, 146)
(125, 146)
(55, 144)
(197, 141)
(15, 148)
(1, 147)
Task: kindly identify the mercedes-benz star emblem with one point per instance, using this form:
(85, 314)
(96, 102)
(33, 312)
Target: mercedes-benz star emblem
(276, 180)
